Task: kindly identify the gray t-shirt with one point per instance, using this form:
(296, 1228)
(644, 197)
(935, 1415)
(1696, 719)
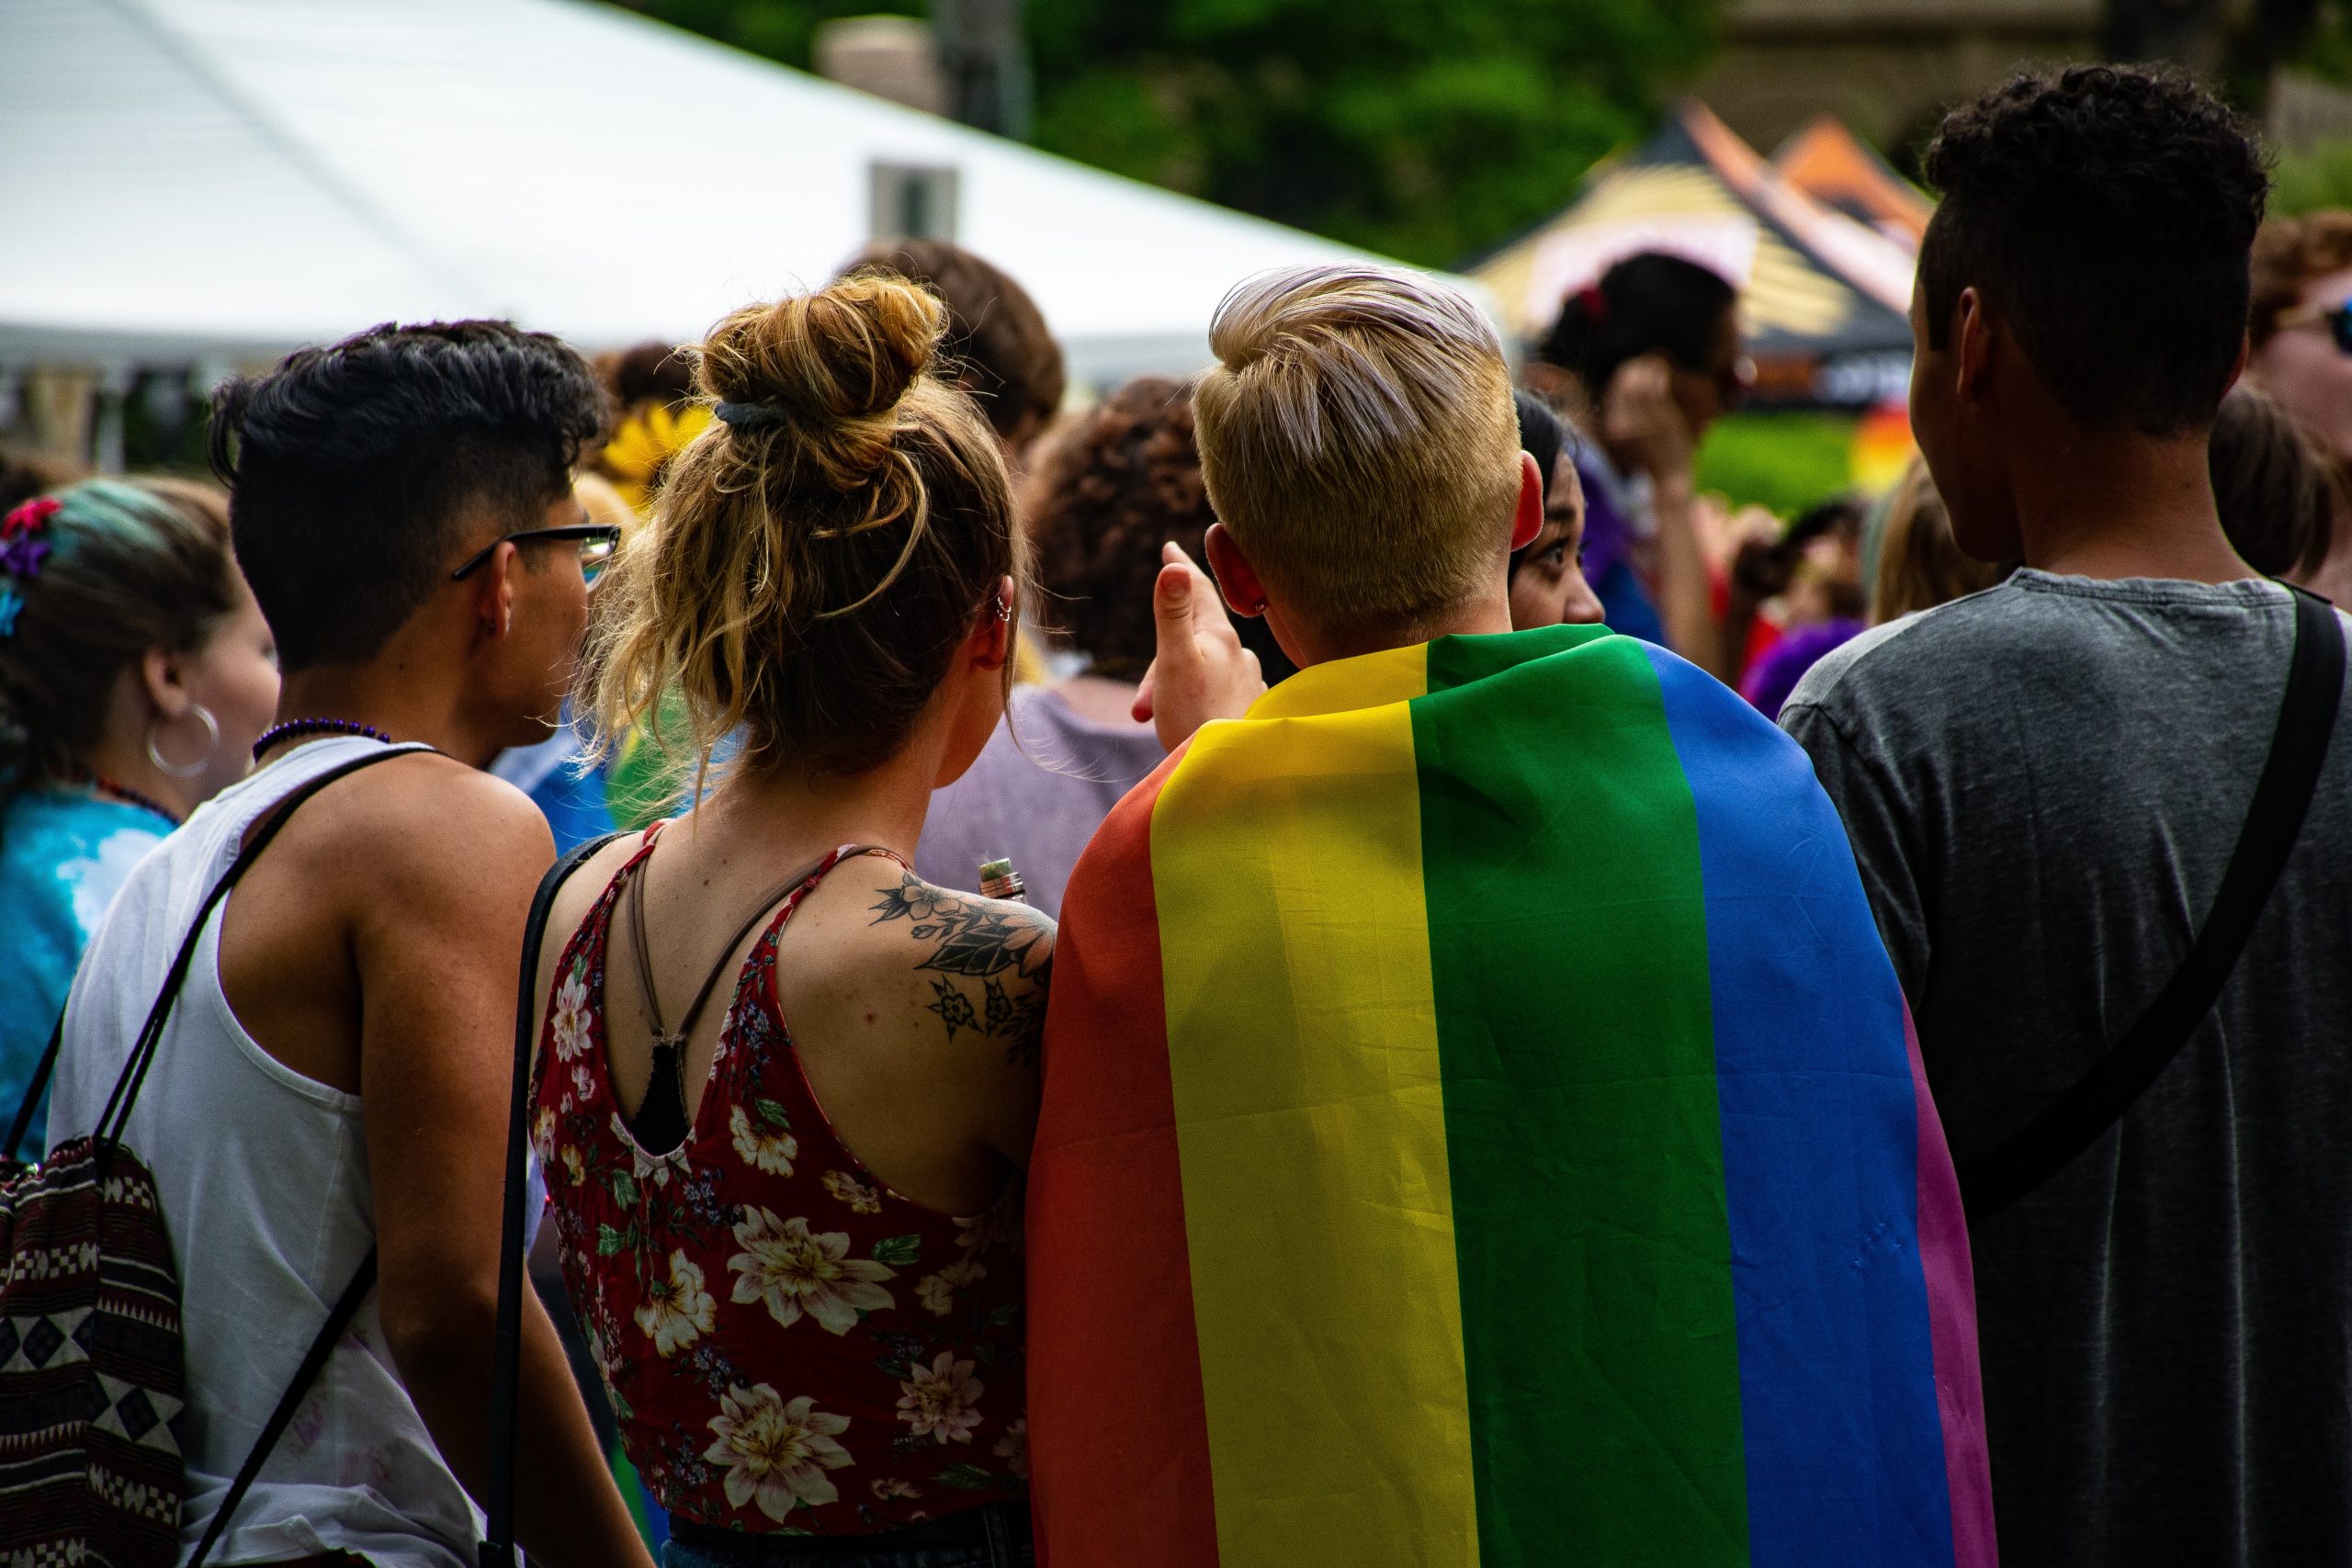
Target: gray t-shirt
(2044, 782)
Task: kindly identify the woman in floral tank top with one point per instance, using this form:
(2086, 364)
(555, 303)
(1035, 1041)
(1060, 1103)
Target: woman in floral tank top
(789, 1219)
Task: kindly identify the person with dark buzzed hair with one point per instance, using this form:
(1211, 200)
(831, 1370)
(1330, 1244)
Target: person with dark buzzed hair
(332, 1086)
(2107, 840)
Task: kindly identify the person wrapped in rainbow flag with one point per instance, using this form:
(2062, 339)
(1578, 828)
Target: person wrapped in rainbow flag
(1481, 1122)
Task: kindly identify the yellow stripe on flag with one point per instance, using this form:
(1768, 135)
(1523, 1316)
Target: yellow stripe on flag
(1302, 1041)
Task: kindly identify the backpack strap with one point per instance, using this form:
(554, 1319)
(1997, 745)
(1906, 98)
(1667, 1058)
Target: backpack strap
(126, 1092)
(498, 1538)
(142, 1050)
(24, 1120)
(2282, 797)
(314, 1360)
(143, 1045)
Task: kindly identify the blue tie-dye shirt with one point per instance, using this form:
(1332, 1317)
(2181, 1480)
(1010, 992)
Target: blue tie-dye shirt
(64, 855)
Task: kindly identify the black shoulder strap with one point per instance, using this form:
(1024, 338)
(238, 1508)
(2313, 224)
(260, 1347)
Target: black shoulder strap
(314, 1360)
(116, 1114)
(126, 1090)
(2282, 797)
(498, 1539)
(142, 1045)
(24, 1119)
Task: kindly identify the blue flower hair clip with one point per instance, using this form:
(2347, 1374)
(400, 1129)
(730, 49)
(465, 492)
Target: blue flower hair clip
(12, 604)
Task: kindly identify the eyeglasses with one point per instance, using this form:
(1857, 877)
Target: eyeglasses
(597, 542)
(2337, 317)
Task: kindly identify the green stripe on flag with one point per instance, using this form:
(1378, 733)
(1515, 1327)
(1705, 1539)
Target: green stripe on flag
(1576, 1048)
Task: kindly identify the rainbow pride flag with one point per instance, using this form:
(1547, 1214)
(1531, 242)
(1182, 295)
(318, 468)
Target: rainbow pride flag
(1482, 1127)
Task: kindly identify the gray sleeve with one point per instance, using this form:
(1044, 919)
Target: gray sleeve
(1876, 825)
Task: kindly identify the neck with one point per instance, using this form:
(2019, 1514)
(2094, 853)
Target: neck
(389, 696)
(2126, 505)
(770, 815)
(123, 761)
(1479, 616)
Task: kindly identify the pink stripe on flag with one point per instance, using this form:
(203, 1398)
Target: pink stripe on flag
(1951, 1328)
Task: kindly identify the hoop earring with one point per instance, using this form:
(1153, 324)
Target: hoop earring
(211, 744)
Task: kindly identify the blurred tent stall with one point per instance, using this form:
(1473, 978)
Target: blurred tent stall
(1823, 297)
(197, 184)
(1838, 169)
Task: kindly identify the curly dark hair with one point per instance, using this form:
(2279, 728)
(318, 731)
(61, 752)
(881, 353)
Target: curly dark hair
(2106, 213)
(355, 469)
(1123, 480)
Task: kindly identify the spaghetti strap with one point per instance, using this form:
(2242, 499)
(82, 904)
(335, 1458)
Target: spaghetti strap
(660, 1121)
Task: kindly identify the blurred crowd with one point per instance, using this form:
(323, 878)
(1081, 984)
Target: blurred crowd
(818, 622)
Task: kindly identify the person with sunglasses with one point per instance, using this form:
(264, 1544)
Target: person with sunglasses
(2298, 333)
(335, 1075)
(1644, 360)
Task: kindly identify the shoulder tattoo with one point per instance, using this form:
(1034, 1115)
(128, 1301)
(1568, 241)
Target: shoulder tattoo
(972, 941)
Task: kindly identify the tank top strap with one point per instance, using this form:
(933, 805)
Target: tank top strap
(806, 882)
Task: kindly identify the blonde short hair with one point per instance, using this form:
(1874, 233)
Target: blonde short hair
(1358, 440)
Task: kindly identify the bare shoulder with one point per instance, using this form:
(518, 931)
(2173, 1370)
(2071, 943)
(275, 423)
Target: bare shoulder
(427, 835)
(982, 966)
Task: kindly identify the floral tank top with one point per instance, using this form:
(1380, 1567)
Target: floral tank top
(788, 1344)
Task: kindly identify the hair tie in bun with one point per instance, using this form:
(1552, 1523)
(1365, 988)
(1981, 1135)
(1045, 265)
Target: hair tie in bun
(749, 416)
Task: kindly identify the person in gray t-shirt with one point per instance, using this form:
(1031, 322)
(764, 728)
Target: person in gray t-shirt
(2043, 784)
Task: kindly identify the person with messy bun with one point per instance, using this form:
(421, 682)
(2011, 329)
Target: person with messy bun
(785, 1089)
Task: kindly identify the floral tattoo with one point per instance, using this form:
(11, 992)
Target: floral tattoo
(977, 941)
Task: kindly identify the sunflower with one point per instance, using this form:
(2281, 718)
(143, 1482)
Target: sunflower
(644, 445)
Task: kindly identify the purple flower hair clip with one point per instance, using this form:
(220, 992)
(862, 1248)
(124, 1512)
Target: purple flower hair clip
(23, 547)
(21, 557)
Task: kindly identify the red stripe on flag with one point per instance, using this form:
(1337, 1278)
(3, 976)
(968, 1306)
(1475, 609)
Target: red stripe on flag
(1118, 1437)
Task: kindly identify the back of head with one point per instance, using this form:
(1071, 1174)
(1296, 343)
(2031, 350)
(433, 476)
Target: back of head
(818, 552)
(2274, 493)
(996, 340)
(1920, 565)
(360, 471)
(96, 576)
(1124, 479)
(1648, 303)
(2105, 214)
(1359, 441)
(2290, 254)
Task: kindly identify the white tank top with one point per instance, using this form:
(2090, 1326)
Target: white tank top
(263, 1178)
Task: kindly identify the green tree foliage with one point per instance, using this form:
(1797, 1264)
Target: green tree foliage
(2313, 178)
(1428, 130)
(1780, 461)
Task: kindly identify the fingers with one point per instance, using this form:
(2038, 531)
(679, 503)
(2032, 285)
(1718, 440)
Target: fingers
(1141, 710)
(1173, 604)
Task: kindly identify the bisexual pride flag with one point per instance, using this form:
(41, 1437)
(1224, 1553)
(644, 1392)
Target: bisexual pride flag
(1482, 1127)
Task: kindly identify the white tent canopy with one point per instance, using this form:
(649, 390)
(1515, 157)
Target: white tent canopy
(213, 180)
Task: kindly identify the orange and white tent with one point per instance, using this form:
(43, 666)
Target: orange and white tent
(1823, 296)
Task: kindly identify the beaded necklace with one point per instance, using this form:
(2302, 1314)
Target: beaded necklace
(101, 784)
(294, 727)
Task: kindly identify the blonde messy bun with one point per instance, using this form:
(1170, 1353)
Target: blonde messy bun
(818, 552)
